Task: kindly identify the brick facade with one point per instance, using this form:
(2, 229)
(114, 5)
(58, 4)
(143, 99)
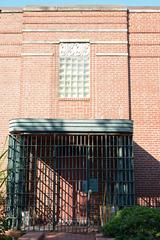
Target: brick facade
(124, 73)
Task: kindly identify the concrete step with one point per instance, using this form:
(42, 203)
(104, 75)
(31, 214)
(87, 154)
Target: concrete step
(99, 236)
(33, 236)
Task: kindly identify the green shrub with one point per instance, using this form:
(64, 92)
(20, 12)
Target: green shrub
(4, 237)
(134, 223)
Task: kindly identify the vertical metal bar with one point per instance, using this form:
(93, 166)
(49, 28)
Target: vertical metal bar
(29, 160)
(23, 170)
(33, 207)
(84, 179)
(125, 184)
(102, 166)
(40, 173)
(117, 167)
(63, 180)
(110, 170)
(17, 176)
(82, 163)
(60, 179)
(128, 175)
(60, 153)
(53, 162)
(105, 186)
(64, 185)
(89, 171)
(77, 176)
(114, 169)
(101, 169)
(18, 182)
(34, 175)
(43, 162)
(129, 171)
(69, 180)
(49, 183)
(15, 186)
(128, 195)
(26, 176)
(120, 170)
(66, 182)
(132, 169)
(14, 202)
(69, 213)
(72, 179)
(10, 184)
(81, 169)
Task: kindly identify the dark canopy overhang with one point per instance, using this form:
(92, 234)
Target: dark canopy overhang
(33, 125)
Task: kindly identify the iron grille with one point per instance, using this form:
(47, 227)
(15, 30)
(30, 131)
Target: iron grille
(62, 181)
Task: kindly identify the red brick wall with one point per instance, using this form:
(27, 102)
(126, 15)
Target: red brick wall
(145, 85)
(29, 83)
(10, 69)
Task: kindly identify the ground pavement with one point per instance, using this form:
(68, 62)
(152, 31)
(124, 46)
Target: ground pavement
(69, 236)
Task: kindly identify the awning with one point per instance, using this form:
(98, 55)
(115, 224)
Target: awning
(33, 125)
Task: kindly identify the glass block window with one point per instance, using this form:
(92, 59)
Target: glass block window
(74, 72)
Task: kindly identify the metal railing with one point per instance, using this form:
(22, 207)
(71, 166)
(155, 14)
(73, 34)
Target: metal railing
(150, 201)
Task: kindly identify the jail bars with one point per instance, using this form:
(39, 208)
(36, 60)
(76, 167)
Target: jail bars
(61, 181)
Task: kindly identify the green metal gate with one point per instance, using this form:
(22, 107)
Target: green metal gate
(62, 182)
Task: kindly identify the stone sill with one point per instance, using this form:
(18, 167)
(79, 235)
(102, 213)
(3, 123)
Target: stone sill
(74, 99)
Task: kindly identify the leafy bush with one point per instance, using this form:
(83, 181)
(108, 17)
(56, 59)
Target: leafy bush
(4, 237)
(134, 223)
(3, 228)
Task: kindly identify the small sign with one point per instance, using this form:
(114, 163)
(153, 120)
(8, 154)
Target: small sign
(92, 184)
(84, 186)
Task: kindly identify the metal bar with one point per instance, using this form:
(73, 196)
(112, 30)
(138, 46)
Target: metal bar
(54, 184)
(49, 183)
(10, 184)
(23, 170)
(17, 183)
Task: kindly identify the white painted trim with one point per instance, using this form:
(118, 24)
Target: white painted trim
(72, 8)
(40, 42)
(109, 42)
(36, 54)
(144, 10)
(56, 42)
(74, 40)
(111, 54)
(74, 30)
(77, 9)
(11, 10)
(10, 56)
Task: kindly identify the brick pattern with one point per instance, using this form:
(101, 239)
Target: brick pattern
(29, 84)
(145, 101)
